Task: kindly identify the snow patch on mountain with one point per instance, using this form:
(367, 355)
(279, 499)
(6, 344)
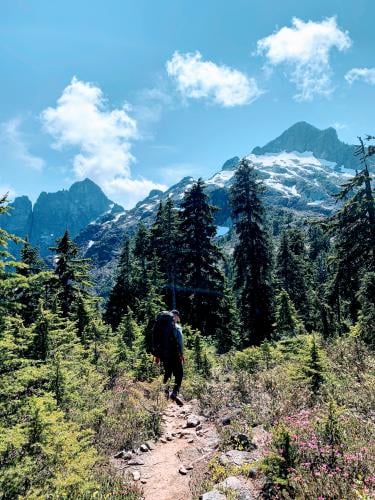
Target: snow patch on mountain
(293, 180)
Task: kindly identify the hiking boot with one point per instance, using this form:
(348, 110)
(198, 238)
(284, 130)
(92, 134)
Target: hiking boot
(177, 399)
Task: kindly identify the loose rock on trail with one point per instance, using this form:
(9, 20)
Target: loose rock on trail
(172, 467)
(167, 468)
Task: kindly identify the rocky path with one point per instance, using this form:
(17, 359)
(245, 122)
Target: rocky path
(164, 468)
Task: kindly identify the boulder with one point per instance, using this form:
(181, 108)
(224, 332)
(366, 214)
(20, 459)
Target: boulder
(125, 455)
(226, 420)
(136, 475)
(144, 448)
(192, 421)
(236, 485)
(150, 445)
(213, 495)
(136, 461)
(236, 457)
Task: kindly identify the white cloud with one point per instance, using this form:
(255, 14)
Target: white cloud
(15, 142)
(339, 125)
(197, 79)
(103, 137)
(305, 48)
(131, 190)
(367, 75)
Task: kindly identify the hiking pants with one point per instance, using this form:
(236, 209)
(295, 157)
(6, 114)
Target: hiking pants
(173, 366)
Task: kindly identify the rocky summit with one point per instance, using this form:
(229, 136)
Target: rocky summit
(296, 180)
(53, 213)
(324, 144)
(301, 169)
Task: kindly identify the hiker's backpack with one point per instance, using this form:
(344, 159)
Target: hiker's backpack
(164, 336)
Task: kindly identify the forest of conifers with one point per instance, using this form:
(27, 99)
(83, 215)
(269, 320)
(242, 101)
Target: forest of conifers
(278, 314)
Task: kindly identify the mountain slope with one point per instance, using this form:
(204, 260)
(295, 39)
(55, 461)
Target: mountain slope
(324, 144)
(296, 181)
(53, 213)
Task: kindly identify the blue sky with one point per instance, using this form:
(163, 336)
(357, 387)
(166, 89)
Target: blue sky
(137, 94)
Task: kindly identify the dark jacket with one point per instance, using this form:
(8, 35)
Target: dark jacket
(167, 337)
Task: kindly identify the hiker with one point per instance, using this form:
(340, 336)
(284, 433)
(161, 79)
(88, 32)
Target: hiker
(168, 349)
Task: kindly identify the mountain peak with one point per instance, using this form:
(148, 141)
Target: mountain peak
(84, 186)
(229, 164)
(303, 137)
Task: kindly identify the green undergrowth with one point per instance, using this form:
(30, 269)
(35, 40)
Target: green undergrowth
(314, 398)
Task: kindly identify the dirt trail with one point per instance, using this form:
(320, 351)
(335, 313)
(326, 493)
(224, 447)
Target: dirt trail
(160, 474)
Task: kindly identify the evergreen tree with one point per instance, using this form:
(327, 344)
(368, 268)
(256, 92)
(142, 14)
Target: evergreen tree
(313, 369)
(52, 333)
(287, 323)
(11, 284)
(71, 272)
(200, 356)
(165, 244)
(151, 305)
(49, 456)
(127, 332)
(353, 229)
(83, 313)
(203, 301)
(39, 283)
(252, 256)
(32, 263)
(319, 248)
(95, 336)
(142, 255)
(122, 294)
(294, 274)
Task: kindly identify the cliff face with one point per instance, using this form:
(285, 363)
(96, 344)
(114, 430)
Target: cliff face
(18, 221)
(298, 182)
(324, 144)
(53, 213)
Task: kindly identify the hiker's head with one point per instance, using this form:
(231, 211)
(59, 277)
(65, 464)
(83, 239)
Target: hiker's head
(176, 315)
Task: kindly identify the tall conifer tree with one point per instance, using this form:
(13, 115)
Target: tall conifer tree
(204, 303)
(121, 296)
(165, 244)
(352, 228)
(294, 274)
(252, 255)
(71, 272)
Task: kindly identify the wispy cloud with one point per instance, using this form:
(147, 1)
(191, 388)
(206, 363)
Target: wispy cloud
(339, 125)
(129, 191)
(102, 136)
(305, 49)
(150, 103)
(175, 172)
(16, 143)
(199, 79)
(366, 75)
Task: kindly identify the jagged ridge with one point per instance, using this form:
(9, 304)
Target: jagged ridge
(324, 144)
